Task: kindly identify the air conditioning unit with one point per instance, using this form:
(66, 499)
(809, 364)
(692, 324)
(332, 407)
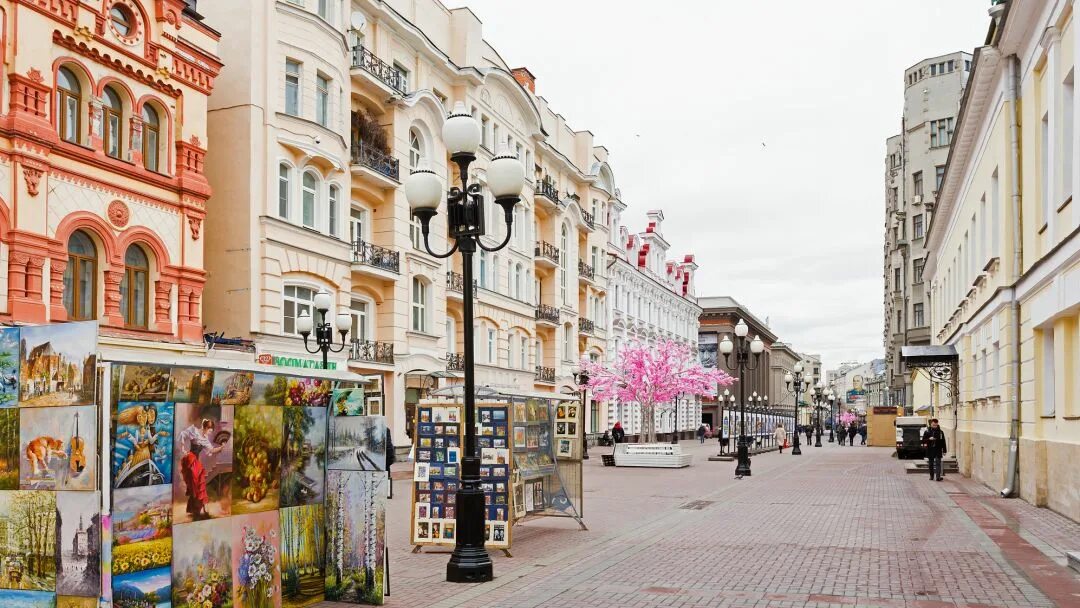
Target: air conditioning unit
(917, 200)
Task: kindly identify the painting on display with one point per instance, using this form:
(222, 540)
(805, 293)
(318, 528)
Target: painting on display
(349, 402)
(268, 389)
(144, 383)
(72, 601)
(303, 467)
(10, 598)
(58, 448)
(58, 364)
(303, 555)
(30, 553)
(142, 444)
(358, 443)
(202, 462)
(143, 589)
(9, 366)
(78, 521)
(191, 385)
(256, 561)
(9, 449)
(257, 458)
(356, 522)
(141, 514)
(310, 392)
(202, 564)
(137, 557)
(232, 388)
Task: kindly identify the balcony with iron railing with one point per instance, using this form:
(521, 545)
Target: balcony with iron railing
(545, 374)
(385, 73)
(372, 352)
(588, 217)
(585, 271)
(455, 284)
(368, 254)
(548, 253)
(586, 326)
(546, 189)
(547, 314)
(455, 362)
(378, 161)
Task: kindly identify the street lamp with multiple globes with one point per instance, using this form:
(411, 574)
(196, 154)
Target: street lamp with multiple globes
(797, 383)
(832, 416)
(819, 402)
(742, 348)
(324, 331)
(581, 378)
(470, 562)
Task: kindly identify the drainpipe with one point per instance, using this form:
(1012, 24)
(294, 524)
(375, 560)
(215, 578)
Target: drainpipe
(1012, 95)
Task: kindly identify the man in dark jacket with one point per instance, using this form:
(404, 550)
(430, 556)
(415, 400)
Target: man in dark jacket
(934, 440)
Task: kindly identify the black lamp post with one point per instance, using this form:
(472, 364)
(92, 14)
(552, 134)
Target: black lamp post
(742, 348)
(324, 331)
(796, 384)
(581, 378)
(470, 562)
(819, 403)
(834, 404)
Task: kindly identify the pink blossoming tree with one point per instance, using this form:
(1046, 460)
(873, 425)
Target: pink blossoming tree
(653, 377)
(848, 417)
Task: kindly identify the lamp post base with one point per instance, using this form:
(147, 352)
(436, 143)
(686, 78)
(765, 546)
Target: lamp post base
(470, 562)
(817, 441)
(743, 468)
(795, 449)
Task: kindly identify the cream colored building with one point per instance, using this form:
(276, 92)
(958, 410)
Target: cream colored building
(326, 107)
(1005, 260)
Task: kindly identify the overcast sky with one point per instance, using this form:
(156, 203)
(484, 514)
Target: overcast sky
(758, 127)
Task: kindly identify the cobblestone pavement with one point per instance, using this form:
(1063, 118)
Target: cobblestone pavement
(837, 526)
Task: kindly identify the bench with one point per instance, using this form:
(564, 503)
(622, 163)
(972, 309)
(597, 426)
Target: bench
(664, 455)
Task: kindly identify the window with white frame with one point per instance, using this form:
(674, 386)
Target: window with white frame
(518, 282)
(296, 299)
(495, 272)
(416, 233)
(326, 10)
(322, 99)
(284, 190)
(332, 210)
(358, 309)
(416, 149)
(492, 346)
(1044, 166)
(451, 335)
(403, 76)
(568, 342)
(483, 270)
(523, 352)
(357, 222)
(941, 132)
(420, 310)
(1067, 142)
(564, 269)
(310, 194)
(293, 76)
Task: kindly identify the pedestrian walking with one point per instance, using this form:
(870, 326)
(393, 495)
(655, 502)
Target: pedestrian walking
(701, 433)
(853, 429)
(781, 436)
(809, 434)
(934, 441)
(391, 458)
(617, 433)
(862, 434)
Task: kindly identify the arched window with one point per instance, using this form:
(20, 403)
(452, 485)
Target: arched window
(416, 149)
(151, 137)
(68, 103)
(134, 287)
(114, 122)
(284, 190)
(419, 305)
(513, 343)
(332, 210)
(310, 194)
(568, 342)
(80, 278)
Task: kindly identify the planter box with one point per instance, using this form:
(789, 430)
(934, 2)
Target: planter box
(661, 455)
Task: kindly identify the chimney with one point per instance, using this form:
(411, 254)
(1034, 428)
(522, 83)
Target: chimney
(525, 78)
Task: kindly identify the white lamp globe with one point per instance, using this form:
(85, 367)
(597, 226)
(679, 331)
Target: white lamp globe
(461, 132)
(726, 346)
(788, 378)
(322, 301)
(798, 367)
(303, 322)
(423, 189)
(343, 322)
(757, 346)
(741, 329)
(505, 175)
(820, 384)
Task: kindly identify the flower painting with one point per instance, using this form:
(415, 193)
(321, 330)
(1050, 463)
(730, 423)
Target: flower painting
(202, 565)
(256, 561)
(311, 392)
(142, 444)
(257, 458)
(136, 557)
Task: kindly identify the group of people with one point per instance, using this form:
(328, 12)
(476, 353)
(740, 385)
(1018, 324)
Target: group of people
(852, 429)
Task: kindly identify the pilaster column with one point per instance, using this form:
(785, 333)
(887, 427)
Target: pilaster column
(136, 139)
(163, 305)
(97, 125)
(113, 316)
(57, 266)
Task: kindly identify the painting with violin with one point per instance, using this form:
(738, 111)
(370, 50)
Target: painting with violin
(58, 448)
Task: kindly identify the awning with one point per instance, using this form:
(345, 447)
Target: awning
(457, 391)
(913, 356)
(923, 408)
(149, 358)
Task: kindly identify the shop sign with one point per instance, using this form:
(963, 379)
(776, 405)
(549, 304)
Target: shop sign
(884, 409)
(282, 361)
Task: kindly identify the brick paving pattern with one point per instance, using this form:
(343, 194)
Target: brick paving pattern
(834, 527)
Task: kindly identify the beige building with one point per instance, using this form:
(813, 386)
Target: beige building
(319, 128)
(1005, 261)
(914, 166)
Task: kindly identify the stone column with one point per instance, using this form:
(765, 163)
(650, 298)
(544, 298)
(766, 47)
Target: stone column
(163, 305)
(57, 266)
(113, 315)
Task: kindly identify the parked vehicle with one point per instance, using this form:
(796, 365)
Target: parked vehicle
(909, 437)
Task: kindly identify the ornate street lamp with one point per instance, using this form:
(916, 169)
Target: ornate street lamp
(470, 562)
(832, 416)
(797, 383)
(581, 378)
(819, 404)
(742, 349)
(324, 331)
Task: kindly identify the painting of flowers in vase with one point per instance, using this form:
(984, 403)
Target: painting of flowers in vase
(256, 561)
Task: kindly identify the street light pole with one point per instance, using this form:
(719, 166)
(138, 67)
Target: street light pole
(582, 379)
(742, 350)
(819, 403)
(324, 331)
(470, 562)
(797, 383)
(832, 416)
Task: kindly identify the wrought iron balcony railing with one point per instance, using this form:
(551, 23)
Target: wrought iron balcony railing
(545, 374)
(586, 326)
(369, 62)
(455, 282)
(371, 351)
(376, 160)
(548, 189)
(547, 250)
(373, 255)
(547, 313)
(585, 271)
(455, 362)
(588, 217)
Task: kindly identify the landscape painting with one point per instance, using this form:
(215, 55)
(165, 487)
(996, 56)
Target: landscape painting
(9, 366)
(9, 449)
(191, 385)
(202, 564)
(358, 443)
(10, 598)
(232, 388)
(303, 555)
(145, 589)
(141, 514)
(71, 601)
(29, 519)
(310, 392)
(144, 383)
(349, 402)
(58, 448)
(303, 465)
(57, 364)
(268, 389)
(142, 444)
(78, 519)
(256, 561)
(257, 458)
(202, 462)
(356, 515)
(136, 557)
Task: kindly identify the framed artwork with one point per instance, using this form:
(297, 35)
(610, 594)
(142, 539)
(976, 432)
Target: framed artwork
(58, 364)
(303, 467)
